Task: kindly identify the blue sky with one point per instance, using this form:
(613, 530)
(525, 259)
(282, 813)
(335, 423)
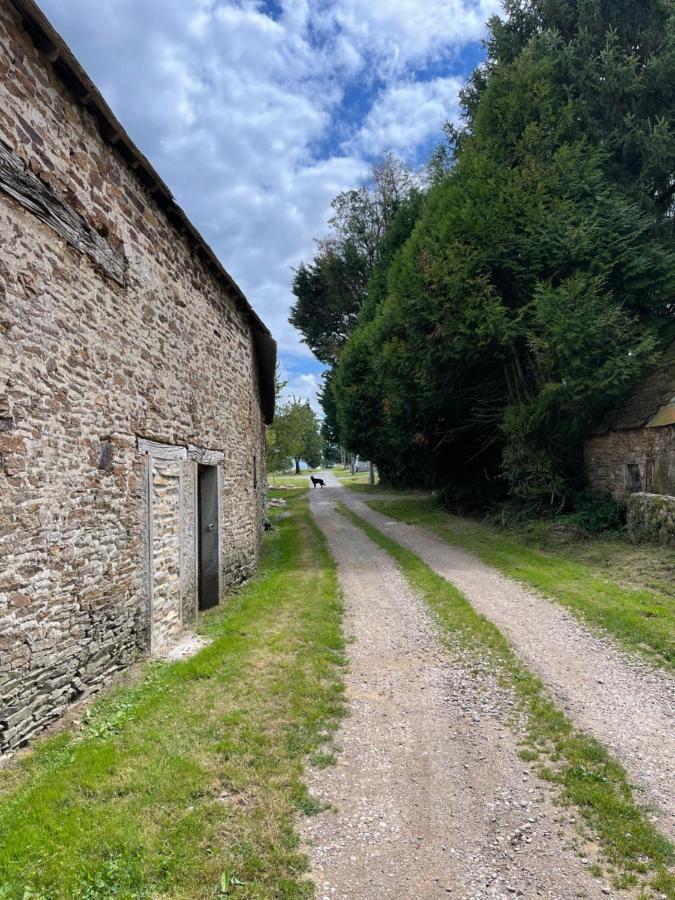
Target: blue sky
(258, 112)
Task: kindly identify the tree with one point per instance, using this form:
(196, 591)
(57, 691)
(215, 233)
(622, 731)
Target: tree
(362, 217)
(331, 453)
(295, 436)
(329, 426)
(331, 288)
(615, 62)
(329, 291)
(275, 452)
(399, 229)
(527, 298)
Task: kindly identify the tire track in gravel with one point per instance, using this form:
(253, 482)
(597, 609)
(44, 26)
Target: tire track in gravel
(429, 797)
(621, 700)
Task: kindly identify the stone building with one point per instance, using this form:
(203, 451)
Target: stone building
(633, 451)
(135, 383)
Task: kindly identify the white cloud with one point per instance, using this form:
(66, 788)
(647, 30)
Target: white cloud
(409, 33)
(304, 387)
(242, 113)
(407, 114)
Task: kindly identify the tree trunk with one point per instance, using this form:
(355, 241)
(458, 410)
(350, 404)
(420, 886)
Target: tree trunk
(371, 473)
(297, 466)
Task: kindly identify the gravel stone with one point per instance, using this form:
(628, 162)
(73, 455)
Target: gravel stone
(428, 797)
(619, 698)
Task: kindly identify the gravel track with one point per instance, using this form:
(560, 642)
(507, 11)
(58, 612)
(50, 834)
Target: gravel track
(429, 797)
(621, 700)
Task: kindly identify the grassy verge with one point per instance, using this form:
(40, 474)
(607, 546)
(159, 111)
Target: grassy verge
(187, 783)
(641, 618)
(281, 481)
(286, 493)
(588, 777)
(362, 487)
(357, 481)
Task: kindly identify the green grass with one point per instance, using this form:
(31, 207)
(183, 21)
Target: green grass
(587, 775)
(286, 493)
(279, 480)
(187, 783)
(641, 618)
(357, 481)
(363, 488)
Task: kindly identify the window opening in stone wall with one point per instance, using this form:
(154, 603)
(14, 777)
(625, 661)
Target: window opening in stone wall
(633, 478)
(105, 455)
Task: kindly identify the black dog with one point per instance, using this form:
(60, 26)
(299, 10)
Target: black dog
(318, 481)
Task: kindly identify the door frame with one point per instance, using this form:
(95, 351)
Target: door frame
(189, 456)
(171, 455)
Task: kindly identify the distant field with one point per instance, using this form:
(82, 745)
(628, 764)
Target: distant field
(280, 480)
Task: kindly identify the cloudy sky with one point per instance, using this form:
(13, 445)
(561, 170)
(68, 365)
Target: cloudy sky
(257, 112)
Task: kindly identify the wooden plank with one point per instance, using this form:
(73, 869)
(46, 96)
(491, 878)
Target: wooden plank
(161, 451)
(206, 457)
(40, 199)
(151, 558)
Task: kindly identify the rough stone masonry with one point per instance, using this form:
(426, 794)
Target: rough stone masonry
(129, 360)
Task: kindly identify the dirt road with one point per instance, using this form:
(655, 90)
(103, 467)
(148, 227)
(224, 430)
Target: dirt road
(429, 797)
(619, 699)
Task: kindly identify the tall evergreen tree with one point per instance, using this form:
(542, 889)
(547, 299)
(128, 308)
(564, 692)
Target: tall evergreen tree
(525, 301)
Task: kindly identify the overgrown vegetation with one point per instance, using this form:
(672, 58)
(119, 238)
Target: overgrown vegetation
(479, 321)
(187, 784)
(642, 618)
(588, 776)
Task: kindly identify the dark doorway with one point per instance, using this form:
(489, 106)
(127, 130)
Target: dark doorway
(633, 478)
(208, 536)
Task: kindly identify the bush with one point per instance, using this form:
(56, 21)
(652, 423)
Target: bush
(597, 513)
(586, 514)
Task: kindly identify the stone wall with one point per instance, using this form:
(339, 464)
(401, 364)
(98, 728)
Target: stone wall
(651, 519)
(88, 364)
(652, 450)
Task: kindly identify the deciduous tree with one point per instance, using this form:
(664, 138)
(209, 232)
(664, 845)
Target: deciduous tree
(295, 435)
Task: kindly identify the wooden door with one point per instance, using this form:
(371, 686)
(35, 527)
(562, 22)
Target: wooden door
(209, 581)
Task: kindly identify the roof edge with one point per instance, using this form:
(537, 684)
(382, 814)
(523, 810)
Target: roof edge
(266, 355)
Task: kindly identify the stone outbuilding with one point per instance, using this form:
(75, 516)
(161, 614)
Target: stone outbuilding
(633, 450)
(135, 384)
(632, 456)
